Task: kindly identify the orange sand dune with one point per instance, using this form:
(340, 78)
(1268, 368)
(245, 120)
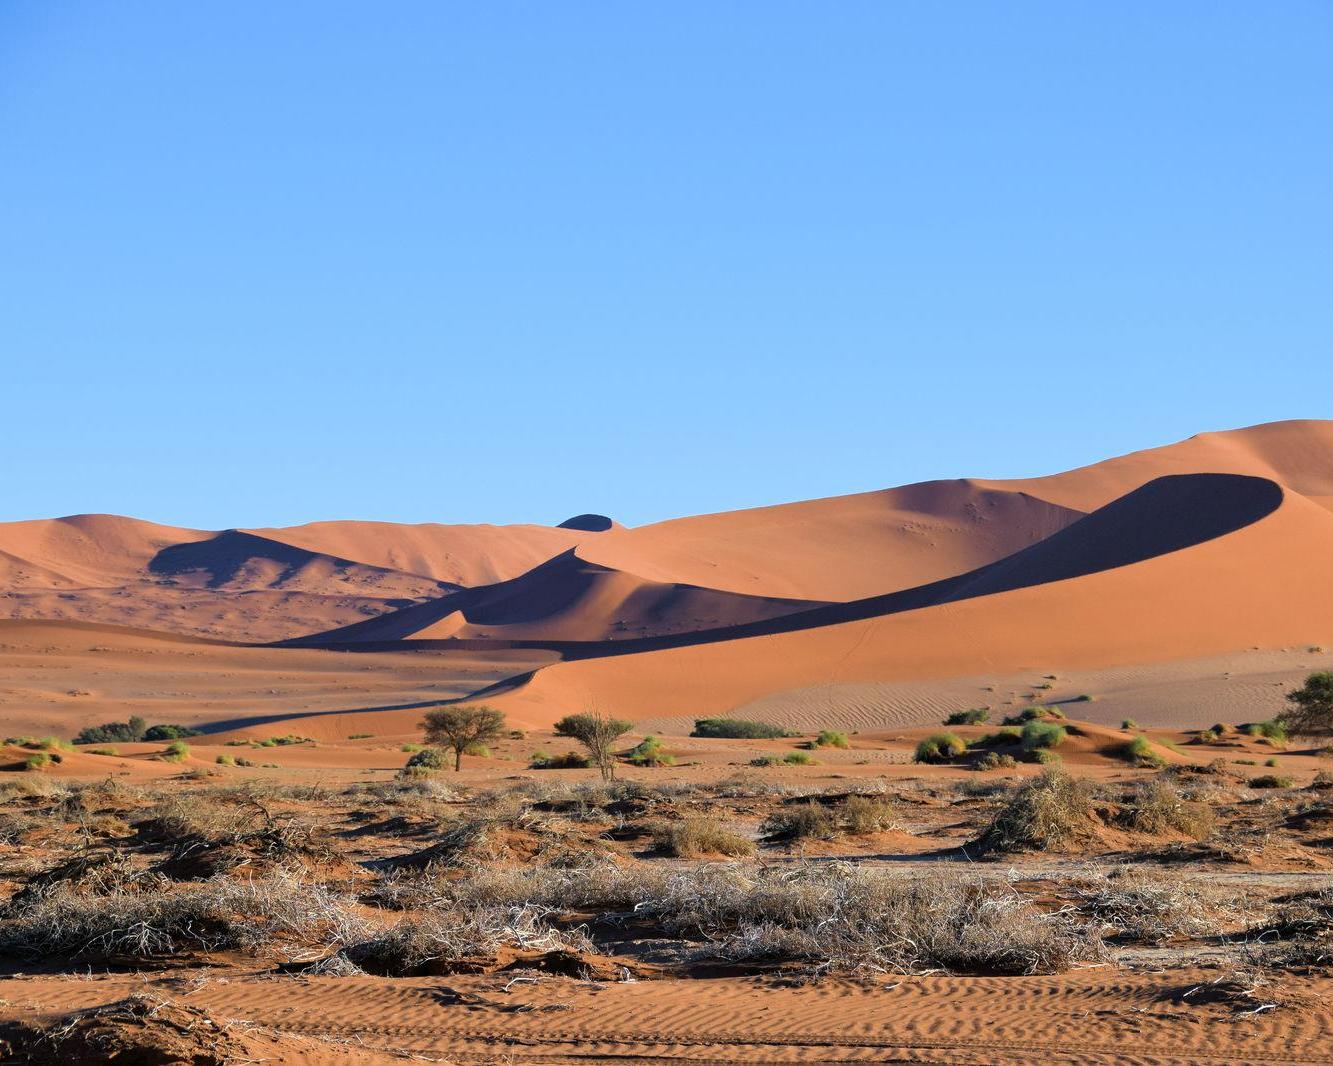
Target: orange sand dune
(1252, 586)
(244, 585)
(854, 546)
(567, 599)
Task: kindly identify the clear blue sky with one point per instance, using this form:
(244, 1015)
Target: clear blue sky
(265, 263)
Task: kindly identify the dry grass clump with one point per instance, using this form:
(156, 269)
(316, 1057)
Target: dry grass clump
(1152, 909)
(839, 917)
(198, 828)
(1047, 813)
(695, 838)
(133, 923)
(867, 814)
(802, 821)
(1157, 806)
(442, 941)
(994, 760)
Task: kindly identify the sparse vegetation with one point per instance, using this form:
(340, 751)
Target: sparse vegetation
(994, 760)
(1311, 712)
(457, 728)
(830, 738)
(1139, 752)
(736, 729)
(940, 748)
(177, 751)
(1271, 781)
(972, 716)
(1049, 812)
(649, 752)
(598, 733)
(1038, 734)
(697, 838)
(1157, 806)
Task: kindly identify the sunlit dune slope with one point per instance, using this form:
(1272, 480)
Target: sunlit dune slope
(1262, 583)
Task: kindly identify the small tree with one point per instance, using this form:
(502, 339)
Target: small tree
(598, 734)
(460, 728)
(1312, 707)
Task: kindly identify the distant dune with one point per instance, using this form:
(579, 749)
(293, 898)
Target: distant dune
(1205, 548)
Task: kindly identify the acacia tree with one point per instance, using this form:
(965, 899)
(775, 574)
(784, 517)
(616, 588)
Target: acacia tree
(598, 734)
(1311, 714)
(460, 728)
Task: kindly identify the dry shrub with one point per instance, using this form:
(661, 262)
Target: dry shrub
(803, 821)
(694, 838)
(867, 814)
(1157, 806)
(438, 941)
(1047, 813)
(839, 917)
(151, 923)
(1152, 909)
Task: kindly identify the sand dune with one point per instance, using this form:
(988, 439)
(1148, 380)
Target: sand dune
(568, 599)
(1253, 586)
(257, 585)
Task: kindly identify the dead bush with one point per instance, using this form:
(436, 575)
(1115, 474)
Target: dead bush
(1157, 806)
(840, 917)
(695, 838)
(1152, 909)
(1047, 813)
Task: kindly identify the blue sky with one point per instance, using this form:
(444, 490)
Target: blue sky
(269, 263)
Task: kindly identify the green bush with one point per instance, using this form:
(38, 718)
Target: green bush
(993, 760)
(1271, 730)
(649, 752)
(570, 760)
(177, 751)
(830, 738)
(736, 729)
(102, 751)
(767, 760)
(156, 734)
(38, 761)
(1128, 724)
(120, 732)
(940, 747)
(1271, 781)
(1041, 734)
(798, 758)
(1030, 714)
(1139, 752)
(226, 760)
(1000, 738)
(359, 736)
(972, 716)
(426, 760)
(1044, 757)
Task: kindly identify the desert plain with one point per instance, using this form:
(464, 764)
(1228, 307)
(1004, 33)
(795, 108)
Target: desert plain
(967, 771)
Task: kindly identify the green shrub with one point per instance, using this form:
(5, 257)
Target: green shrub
(570, 760)
(830, 738)
(1139, 752)
(1041, 734)
(156, 734)
(37, 761)
(1044, 757)
(798, 758)
(972, 716)
(736, 729)
(993, 760)
(649, 752)
(102, 751)
(177, 751)
(767, 760)
(226, 760)
(940, 747)
(1271, 730)
(1030, 714)
(427, 760)
(1000, 738)
(1271, 763)
(359, 736)
(1082, 697)
(1271, 781)
(1128, 724)
(121, 732)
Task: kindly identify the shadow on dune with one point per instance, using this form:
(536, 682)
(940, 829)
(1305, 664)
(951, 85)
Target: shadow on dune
(1163, 516)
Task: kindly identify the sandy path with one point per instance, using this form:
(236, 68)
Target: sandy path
(1091, 1016)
